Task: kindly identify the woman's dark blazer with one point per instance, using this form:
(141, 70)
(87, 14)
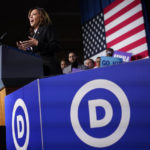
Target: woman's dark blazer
(47, 47)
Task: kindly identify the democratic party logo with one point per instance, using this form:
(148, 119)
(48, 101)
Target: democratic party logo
(110, 112)
(20, 125)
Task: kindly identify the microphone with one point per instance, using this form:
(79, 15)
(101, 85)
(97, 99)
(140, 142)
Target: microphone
(2, 37)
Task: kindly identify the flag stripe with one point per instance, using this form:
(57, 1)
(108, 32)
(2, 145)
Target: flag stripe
(138, 49)
(122, 11)
(142, 55)
(133, 45)
(123, 17)
(125, 29)
(126, 35)
(115, 7)
(130, 40)
(125, 23)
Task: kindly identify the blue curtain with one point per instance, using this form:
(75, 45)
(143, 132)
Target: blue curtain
(146, 13)
(90, 8)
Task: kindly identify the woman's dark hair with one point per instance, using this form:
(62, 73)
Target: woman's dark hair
(44, 17)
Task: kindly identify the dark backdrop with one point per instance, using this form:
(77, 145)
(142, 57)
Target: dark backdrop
(65, 15)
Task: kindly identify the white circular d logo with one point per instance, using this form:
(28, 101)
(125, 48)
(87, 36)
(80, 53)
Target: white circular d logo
(125, 115)
(20, 131)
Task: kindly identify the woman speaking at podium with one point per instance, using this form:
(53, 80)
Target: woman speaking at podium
(42, 40)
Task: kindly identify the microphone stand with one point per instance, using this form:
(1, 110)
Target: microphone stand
(2, 38)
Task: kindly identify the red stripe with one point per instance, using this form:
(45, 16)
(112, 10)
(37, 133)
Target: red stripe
(112, 5)
(140, 55)
(144, 54)
(122, 11)
(124, 23)
(126, 35)
(134, 45)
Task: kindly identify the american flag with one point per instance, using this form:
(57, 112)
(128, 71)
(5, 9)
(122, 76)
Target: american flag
(120, 26)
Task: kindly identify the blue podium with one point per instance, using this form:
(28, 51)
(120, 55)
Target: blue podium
(17, 68)
(100, 109)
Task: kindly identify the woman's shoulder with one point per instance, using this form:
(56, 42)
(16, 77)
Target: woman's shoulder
(46, 27)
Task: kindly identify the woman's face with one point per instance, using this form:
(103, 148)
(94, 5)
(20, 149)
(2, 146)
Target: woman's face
(34, 18)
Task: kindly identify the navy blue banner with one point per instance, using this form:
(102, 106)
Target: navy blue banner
(105, 108)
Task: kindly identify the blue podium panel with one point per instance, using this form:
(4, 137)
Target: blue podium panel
(22, 117)
(106, 108)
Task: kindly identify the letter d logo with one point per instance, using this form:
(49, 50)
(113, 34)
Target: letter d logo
(20, 125)
(19, 129)
(94, 123)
